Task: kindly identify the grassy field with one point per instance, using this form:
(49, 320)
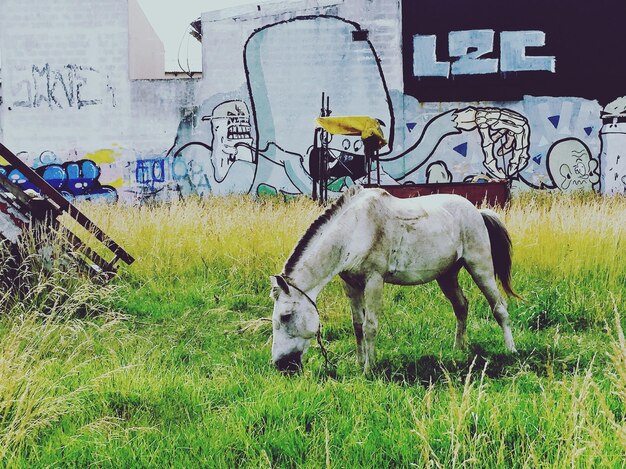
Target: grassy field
(169, 365)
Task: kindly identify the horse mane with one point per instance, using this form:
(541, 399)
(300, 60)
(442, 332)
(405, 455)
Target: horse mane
(316, 226)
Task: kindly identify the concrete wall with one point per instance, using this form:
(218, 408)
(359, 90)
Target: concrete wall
(247, 125)
(69, 106)
(146, 51)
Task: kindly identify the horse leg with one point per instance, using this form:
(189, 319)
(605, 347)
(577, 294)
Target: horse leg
(373, 296)
(449, 284)
(354, 291)
(483, 274)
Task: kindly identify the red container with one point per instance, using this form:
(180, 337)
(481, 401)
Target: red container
(496, 193)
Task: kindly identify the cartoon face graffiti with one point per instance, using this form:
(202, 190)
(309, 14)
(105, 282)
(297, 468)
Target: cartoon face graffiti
(346, 157)
(571, 167)
(613, 140)
(230, 126)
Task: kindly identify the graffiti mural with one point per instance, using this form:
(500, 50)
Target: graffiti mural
(258, 138)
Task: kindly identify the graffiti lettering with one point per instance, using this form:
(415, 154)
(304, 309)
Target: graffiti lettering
(72, 86)
(470, 48)
(150, 172)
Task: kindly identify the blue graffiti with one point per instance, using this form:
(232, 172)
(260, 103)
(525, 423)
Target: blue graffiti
(75, 180)
(150, 172)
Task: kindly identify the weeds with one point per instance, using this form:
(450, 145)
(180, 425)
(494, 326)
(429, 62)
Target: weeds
(41, 276)
(46, 343)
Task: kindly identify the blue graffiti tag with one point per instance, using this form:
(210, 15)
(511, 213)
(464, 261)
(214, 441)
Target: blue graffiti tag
(75, 180)
(150, 172)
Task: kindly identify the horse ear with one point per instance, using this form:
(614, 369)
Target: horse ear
(278, 284)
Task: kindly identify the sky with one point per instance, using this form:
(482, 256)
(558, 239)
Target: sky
(170, 19)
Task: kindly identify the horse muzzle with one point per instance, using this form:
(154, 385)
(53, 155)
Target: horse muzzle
(290, 363)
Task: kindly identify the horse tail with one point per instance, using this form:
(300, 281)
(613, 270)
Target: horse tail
(501, 250)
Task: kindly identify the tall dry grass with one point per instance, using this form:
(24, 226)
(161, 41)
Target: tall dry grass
(569, 235)
(50, 313)
(176, 237)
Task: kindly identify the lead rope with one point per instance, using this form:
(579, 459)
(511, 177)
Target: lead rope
(323, 349)
(327, 363)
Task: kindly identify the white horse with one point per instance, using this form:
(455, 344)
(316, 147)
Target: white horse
(368, 237)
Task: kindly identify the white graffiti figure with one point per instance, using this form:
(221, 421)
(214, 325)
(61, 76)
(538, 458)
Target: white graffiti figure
(613, 141)
(571, 166)
(232, 141)
(504, 135)
(438, 172)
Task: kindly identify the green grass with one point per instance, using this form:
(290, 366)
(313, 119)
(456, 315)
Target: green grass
(170, 365)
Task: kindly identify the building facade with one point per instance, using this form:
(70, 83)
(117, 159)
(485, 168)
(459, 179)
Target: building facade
(467, 99)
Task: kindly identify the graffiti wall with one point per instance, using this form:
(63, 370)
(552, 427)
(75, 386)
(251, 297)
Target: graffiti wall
(460, 97)
(257, 137)
(551, 65)
(70, 110)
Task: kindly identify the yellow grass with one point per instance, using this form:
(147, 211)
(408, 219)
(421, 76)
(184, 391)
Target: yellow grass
(568, 235)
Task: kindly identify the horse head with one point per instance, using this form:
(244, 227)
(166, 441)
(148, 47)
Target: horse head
(295, 321)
